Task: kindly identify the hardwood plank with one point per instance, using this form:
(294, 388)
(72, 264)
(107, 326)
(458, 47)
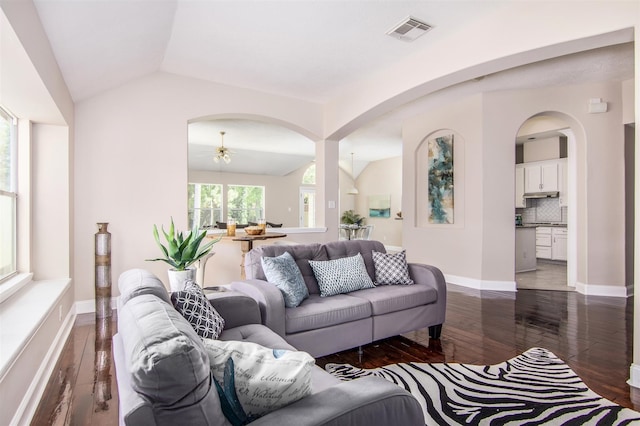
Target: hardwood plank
(591, 334)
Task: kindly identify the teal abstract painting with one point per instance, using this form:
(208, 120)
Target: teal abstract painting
(440, 185)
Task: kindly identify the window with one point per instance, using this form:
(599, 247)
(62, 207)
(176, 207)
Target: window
(309, 177)
(245, 203)
(205, 204)
(8, 194)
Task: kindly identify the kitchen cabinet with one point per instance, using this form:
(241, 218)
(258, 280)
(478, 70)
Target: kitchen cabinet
(559, 243)
(541, 177)
(543, 242)
(563, 198)
(520, 200)
(551, 243)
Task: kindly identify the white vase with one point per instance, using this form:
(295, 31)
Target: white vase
(178, 278)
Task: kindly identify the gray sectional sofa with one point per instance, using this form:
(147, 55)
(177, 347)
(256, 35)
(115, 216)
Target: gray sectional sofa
(326, 325)
(163, 374)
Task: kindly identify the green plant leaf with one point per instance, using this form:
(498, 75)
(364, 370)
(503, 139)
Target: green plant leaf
(182, 250)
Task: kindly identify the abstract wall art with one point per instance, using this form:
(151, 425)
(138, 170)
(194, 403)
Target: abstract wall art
(380, 206)
(440, 180)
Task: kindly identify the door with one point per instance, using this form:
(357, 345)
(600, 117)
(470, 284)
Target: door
(559, 244)
(532, 181)
(307, 207)
(549, 177)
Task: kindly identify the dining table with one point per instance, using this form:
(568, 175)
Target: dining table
(351, 230)
(246, 242)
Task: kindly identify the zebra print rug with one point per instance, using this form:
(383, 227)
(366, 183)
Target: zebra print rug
(535, 388)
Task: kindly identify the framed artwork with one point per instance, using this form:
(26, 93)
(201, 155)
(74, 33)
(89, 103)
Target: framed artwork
(440, 180)
(380, 206)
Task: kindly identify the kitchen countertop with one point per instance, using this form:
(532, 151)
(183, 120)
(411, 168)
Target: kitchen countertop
(535, 225)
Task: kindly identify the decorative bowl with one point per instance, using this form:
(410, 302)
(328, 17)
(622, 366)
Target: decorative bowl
(253, 230)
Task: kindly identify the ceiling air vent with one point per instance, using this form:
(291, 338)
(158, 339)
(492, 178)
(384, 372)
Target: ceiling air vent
(409, 29)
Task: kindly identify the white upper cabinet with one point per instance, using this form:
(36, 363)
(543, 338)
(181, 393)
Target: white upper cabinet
(520, 201)
(562, 183)
(541, 177)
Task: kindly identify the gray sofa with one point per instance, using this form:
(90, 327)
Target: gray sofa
(163, 373)
(326, 325)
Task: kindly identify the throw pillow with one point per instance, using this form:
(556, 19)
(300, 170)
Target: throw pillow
(341, 275)
(195, 307)
(264, 379)
(283, 272)
(391, 269)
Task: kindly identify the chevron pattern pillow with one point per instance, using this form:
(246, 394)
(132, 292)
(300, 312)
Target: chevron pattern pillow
(341, 275)
(391, 269)
(194, 306)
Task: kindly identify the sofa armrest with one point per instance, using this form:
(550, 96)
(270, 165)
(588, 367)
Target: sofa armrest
(133, 409)
(236, 308)
(270, 301)
(430, 275)
(361, 402)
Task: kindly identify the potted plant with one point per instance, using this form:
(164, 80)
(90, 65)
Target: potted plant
(349, 217)
(181, 252)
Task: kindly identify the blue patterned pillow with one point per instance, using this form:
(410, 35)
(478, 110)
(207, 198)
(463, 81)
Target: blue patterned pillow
(283, 272)
(391, 269)
(341, 275)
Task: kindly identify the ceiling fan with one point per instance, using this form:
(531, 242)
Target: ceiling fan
(222, 153)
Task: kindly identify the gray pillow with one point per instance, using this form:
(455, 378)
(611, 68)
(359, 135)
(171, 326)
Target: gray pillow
(283, 272)
(391, 269)
(341, 275)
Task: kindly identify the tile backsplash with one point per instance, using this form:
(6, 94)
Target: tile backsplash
(543, 210)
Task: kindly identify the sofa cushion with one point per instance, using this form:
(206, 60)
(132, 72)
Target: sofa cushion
(339, 249)
(386, 299)
(318, 312)
(257, 333)
(301, 254)
(265, 379)
(166, 357)
(341, 275)
(391, 268)
(193, 305)
(135, 282)
(283, 272)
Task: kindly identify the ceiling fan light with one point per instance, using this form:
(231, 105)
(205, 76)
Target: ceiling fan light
(226, 158)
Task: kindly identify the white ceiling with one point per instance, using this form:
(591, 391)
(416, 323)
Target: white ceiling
(310, 50)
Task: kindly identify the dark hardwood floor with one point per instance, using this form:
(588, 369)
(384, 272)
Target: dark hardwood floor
(591, 334)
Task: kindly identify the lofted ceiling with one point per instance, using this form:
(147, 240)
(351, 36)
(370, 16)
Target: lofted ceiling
(310, 50)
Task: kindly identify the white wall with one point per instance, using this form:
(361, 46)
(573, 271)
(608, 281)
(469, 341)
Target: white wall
(383, 177)
(457, 248)
(484, 249)
(131, 161)
(32, 87)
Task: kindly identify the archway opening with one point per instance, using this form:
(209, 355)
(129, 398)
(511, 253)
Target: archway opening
(546, 203)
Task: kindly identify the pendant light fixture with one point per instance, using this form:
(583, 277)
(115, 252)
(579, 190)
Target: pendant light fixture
(353, 190)
(222, 153)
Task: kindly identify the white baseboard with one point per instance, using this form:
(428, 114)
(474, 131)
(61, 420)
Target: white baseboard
(481, 284)
(89, 306)
(603, 290)
(634, 376)
(27, 408)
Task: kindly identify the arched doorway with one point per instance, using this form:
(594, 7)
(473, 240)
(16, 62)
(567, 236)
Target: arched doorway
(546, 203)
